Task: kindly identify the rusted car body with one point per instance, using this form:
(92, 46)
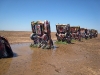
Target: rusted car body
(41, 34)
(94, 33)
(75, 31)
(5, 48)
(63, 32)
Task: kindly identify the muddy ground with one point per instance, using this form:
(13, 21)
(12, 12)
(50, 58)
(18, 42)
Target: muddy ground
(79, 58)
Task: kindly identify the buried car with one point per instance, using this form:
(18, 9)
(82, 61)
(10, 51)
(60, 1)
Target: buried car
(94, 33)
(85, 33)
(5, 48)
(76, 33)
(41, 34)
(89, 33)
(63, 32)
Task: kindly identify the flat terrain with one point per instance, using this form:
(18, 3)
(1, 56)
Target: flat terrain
(79, 58)
(20, 36)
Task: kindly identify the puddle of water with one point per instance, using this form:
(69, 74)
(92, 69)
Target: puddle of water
(20, 49)
(30, 60)
(22, 58)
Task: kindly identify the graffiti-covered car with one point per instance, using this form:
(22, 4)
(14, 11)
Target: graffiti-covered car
(5, 48)
(86, 33)
(41, 34)
(63, 32)
(94, 33)
(76, 33)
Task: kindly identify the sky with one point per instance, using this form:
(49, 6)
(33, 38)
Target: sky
(17, 15)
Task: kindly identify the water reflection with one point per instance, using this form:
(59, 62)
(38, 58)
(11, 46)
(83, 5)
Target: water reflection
(24, 59)
(21, 59)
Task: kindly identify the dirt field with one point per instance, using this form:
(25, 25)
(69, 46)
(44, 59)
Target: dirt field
(20, 36)
(79, 58)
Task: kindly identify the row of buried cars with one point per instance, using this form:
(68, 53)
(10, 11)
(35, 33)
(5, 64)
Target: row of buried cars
(41, 33)
(41, 36)
(66, 33)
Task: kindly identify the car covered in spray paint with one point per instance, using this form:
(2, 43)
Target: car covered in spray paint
(41, 34)
(75, 31)
(88, 33)
(5, 48)
(63, 32)
(94, 33)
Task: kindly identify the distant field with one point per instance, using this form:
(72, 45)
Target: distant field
(20, 36)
